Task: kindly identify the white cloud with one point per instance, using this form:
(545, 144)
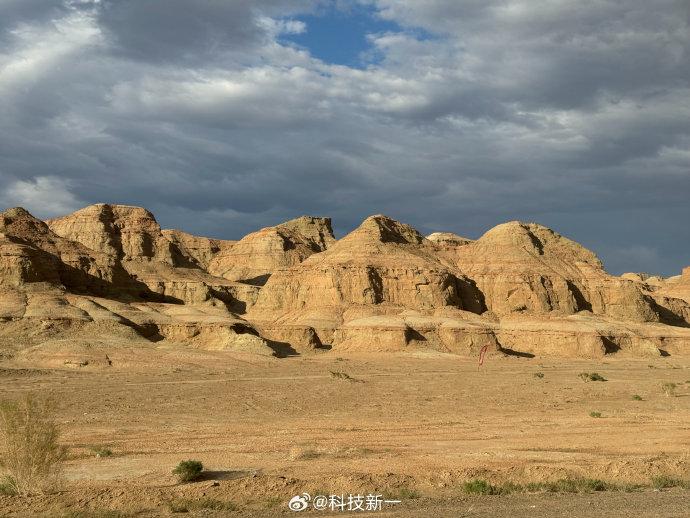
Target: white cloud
(45, 196)
(504, 110)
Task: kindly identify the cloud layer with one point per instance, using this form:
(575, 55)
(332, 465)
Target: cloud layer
(572, 114)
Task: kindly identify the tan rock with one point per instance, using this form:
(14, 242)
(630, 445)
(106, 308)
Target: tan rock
(199, 250)
(30, 252)
(527, 268)
(120, 231)
(109, 279)
(257, 255)
(381, 267)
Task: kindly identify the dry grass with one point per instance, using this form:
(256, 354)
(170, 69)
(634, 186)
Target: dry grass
(344, 376)
(31, 457)
(669, 389)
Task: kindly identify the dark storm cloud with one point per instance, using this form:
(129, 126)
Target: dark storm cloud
(572, 114)
(143, 29)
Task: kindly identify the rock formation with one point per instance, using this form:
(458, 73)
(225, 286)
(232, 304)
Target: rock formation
(120, 231)
(197, 250)
(528, 268)
(171, 264)
(108, 278)
(256, 256)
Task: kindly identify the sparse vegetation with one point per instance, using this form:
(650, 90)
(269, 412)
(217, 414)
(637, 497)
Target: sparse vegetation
(405, 494)
(479, 487)
(101, 451)
(669, 389)
(539, 375)
(637, 397)
(185, 505)
(271, 502)
(564, 485)
(32, 458)
(6, 487)
(591, 376)
(95, 513)
(578, 485)
(344, 376)
(595, 414)
(664, 482)
(298, 453)
(188, 470)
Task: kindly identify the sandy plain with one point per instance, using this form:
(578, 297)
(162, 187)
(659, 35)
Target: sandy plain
(413, 426)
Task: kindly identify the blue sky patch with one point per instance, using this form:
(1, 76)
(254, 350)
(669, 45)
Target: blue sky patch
(340, 36)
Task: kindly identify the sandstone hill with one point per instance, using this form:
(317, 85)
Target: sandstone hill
(106, 281)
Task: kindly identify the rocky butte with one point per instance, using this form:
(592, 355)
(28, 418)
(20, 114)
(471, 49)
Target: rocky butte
(107, 280)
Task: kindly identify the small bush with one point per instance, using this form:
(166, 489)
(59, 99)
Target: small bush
(664, 482)
(100, 451)
(508, 488)
(669, 389)
(6, 486)
(595, 414)
(188, 470)
(479, 487)
(637, 397)
(32, 458)
(591, 376)
(539, 375)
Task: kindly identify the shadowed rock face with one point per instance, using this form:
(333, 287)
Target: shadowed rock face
(30, 252)
(196, 249)
(520, 289)
(121, 231)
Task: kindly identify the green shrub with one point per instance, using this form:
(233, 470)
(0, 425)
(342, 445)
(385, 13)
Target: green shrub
(32, 458)
(6, 486)
(188, 470)
(479, 487)
(595, 414)
(637, 397)
(539, 375)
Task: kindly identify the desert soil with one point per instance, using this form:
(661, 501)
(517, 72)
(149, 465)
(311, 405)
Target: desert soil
(414, 426)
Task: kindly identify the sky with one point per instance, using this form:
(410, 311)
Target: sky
(224, 116)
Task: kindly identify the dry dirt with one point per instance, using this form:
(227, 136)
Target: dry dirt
(410, 425)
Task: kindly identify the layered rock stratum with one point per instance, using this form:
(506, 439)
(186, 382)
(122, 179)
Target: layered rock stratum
(107, 277)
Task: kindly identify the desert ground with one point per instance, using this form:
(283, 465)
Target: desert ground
(413, 426)
(291, 362)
